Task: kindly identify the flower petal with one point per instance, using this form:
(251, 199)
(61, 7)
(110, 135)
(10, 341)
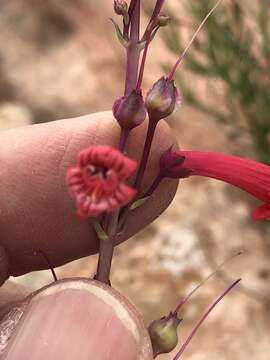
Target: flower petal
(261, 213)
(98, 182)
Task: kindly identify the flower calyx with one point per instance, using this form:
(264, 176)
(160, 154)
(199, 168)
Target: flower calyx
(122, 39)
(138, 203)
(248, 175)
(163, 334)
(161, 99)
(129, 110)
(99, 181)
(100, 232)
(170, 164)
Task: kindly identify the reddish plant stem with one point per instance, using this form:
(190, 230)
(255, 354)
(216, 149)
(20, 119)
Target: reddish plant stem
(147, 36)
(146, 151)
(123, 139)
(130, 12)
(126, 210)
(157, 9)
(154, 185)
(106, 250)
(155, 14)
(133, 57)
(199, 323)
(148, 39)
(133, 52)
(131, 8)
(139, 177)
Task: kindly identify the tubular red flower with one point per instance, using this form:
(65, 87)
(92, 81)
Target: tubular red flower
(248, 175)
(98, 182)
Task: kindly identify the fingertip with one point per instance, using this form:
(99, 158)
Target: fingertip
(79, 319)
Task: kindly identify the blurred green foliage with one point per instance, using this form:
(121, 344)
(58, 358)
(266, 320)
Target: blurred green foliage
(233, 49)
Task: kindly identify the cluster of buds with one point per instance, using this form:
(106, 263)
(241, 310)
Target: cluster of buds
(100, 182)
(130, 110)
(97, 184)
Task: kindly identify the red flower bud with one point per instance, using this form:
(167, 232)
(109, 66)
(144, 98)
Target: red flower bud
(130, 110)
(161, 99)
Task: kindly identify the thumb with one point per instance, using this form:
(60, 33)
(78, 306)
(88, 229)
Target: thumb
(74, 319)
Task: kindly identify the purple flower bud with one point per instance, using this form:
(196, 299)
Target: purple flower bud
(163, 334)
(120, 7)
(171, 165)
(161, 99)
(130, 110)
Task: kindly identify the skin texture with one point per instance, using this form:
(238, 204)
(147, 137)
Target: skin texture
(101, 325)
(36, 209)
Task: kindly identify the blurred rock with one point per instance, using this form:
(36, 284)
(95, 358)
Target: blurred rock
(14, 115)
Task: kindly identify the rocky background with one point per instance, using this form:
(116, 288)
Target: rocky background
(61, 59)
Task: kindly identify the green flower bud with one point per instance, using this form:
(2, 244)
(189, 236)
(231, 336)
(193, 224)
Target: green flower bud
(163, 20)
(163, 334)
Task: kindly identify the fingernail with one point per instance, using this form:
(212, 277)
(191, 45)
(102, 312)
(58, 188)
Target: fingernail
(78, 319)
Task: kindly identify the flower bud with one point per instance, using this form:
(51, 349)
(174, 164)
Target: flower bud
(163, 20)
(163, 334)
(130, 110)
(120, 7)
(161, 99)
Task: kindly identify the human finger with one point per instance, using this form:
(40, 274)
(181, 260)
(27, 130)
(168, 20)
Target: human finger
(36, 210)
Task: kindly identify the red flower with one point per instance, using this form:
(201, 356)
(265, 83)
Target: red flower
(98, 182)
(248, 175)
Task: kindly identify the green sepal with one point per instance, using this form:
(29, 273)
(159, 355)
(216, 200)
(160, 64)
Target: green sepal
(138, 203)
(123, 41)
(126, 18)
(102, 235)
